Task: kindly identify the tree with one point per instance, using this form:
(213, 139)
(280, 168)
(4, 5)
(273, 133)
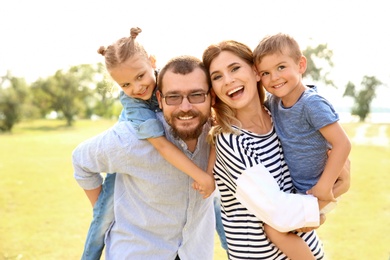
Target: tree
(42, 97)
(13, 95)
(314, 56)
(364, 97)
(105, 92)
(66, 92)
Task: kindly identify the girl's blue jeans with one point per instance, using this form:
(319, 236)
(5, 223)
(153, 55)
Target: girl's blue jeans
(103, 215)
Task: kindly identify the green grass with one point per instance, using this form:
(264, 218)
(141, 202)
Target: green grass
(44, 214)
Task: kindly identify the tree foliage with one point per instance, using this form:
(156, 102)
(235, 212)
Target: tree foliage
(105, 94)
(363, 97)
(13, 96)
(66, 92)
(318, 60)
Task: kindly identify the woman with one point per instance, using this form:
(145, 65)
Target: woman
(250, 170)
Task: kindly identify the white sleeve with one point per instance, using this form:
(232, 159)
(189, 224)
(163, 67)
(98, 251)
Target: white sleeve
(258, 191)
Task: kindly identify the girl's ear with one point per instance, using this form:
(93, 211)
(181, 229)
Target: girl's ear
(153, 60)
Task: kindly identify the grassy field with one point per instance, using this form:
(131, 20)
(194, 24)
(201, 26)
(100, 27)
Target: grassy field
(45, 215)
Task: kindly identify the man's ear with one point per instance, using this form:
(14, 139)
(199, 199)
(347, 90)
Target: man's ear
(153, 61)
(159, 99)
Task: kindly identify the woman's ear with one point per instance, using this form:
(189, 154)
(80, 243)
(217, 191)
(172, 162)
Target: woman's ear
(152, 60)
(213, 97)
(257, 73)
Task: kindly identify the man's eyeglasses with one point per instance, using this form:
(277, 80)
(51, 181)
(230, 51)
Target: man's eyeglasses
(193, 98)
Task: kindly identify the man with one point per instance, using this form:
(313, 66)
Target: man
(158, 215)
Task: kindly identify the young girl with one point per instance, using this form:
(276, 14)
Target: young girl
(134, 70)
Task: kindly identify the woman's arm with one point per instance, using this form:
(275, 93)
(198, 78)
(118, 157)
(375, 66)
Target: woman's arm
(258, 191)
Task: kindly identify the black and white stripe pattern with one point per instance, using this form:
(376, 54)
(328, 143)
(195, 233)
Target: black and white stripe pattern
(244, 232)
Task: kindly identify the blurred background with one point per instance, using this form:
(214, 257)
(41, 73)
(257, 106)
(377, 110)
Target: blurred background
(55, 93)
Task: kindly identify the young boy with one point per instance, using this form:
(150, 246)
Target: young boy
(307, 126)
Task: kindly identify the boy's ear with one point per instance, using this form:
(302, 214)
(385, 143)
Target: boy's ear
(302, 64)
(153, 60)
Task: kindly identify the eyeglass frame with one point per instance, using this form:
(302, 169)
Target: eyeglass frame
(204, 94)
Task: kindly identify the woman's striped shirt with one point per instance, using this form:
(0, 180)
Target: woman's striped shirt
(244, 231)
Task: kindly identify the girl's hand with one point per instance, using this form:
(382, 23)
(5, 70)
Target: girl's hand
(207, 186)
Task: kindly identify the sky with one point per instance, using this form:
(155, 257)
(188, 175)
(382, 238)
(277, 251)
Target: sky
(40, 37)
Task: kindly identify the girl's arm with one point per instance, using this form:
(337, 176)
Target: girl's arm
(341, 146)
(147, 126)
(93, 195)
(178, 159)
(211, 163)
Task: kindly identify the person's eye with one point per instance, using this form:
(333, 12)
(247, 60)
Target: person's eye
(173, 97)
(140, 76)
(216, 77)
(125, 85)
(282, 67)
(235, 68)
(264, 74)
(196, 95)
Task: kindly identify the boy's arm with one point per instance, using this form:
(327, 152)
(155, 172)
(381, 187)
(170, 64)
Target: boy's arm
(341, 147)
(340, 187)
(178, 159)
(344, 181)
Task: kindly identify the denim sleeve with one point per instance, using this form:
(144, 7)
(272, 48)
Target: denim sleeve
(141, 116)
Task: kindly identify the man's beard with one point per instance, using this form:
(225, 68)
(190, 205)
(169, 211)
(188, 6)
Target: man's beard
(187, 134)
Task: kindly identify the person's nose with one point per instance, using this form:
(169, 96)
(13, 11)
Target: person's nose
(274, 75)
(138, 87)
(229, 79)
(185, 105)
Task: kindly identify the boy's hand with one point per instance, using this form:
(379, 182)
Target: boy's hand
(343, 183)
(322, 192)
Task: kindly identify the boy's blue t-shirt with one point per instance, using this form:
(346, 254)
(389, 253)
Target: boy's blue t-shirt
(297, 127)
